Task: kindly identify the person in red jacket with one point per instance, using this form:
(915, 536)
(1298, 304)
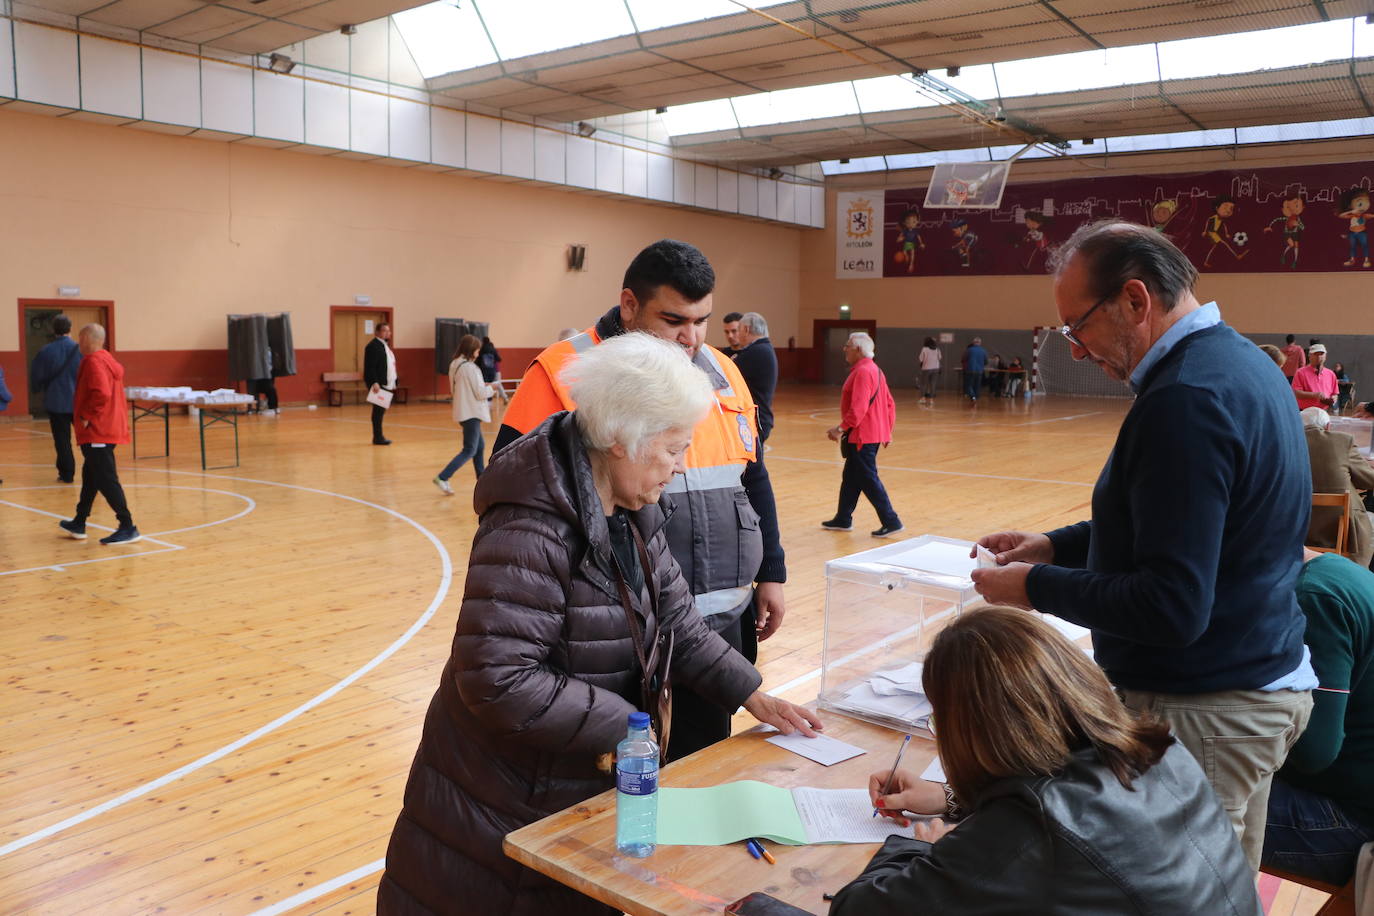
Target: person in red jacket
(101, 417)
(867, 413)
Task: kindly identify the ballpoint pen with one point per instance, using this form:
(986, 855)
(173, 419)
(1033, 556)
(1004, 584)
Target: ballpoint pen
(763, 850)
(887, 786)
(753, 850)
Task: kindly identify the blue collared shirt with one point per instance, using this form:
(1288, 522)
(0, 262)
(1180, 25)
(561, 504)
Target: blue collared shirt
(1205, 317)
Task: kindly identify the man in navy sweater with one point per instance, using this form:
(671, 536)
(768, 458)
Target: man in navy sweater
(758, 363)
(1186, 573)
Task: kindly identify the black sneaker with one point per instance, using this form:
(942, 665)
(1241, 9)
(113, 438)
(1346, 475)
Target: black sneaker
(74, 529)
(888, 531)
(123, 536)
(381, 441)
(836, 525)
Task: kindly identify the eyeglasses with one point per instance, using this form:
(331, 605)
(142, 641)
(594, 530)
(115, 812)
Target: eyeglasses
(1070, 332)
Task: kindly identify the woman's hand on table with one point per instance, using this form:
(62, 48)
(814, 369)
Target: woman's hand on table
(932, 830)
(909, 792)
(784, 716)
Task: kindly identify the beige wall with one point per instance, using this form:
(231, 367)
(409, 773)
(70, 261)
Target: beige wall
(179, 232)
(1305, 303)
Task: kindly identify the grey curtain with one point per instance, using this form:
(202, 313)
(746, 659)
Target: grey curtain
(260, 346)
(447, 333)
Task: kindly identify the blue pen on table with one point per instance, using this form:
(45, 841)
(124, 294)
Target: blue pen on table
(887, 786)
(763, 850)
(753, 850)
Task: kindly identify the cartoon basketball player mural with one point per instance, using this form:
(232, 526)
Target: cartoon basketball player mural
(1223, 208)
(1035, 237)
(964, 240)
(1292, 227)
(908, 238)
(1354, 206)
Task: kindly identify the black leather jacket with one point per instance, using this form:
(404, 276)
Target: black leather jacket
(1077, 844)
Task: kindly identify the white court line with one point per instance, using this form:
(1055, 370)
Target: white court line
(445, 580)
(156, 534)
(1072, 416)
(319, 890)
(889, 467)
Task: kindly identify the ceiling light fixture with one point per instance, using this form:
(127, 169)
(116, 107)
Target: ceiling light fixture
(952, 71)
(775, 173)
(280, 63)
(584, 129)
(349, 29)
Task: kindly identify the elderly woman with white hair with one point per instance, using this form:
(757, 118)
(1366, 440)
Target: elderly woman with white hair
(569, 570)
(1338, 467)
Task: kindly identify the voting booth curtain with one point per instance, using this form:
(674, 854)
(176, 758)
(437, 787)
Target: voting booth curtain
(260, 346)
(447, 333)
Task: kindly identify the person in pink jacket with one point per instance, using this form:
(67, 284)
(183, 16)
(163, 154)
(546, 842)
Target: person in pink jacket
(100, 415)
(867, 413)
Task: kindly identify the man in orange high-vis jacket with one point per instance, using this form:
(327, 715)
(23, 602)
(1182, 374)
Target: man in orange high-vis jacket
(723, 527)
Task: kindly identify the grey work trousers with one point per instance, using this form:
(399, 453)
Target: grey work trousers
(1241, 738)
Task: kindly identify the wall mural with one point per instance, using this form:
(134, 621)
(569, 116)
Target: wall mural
(1279, 220)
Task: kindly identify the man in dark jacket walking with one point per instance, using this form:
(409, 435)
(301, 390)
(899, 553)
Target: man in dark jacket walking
(379, 373)
(54, 373)
(758, 363)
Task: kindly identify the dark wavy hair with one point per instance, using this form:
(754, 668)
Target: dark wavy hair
(669, 262)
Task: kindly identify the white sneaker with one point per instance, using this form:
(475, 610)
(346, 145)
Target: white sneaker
(443, 485)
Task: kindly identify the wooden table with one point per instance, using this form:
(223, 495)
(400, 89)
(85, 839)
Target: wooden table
(577, 846)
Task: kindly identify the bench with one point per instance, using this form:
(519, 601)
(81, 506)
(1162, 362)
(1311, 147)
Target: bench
(336, 383)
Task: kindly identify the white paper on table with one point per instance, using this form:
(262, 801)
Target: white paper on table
(823, 749)
(381, 397)
(842, 816)
(935, 772)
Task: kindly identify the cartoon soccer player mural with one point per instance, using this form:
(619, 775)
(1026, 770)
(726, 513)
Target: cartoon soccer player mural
(908, 238)
(1035, 236)
(1354, 206)
(1223, 208)
(1292, 227)
(964, 240)
(1161, 213)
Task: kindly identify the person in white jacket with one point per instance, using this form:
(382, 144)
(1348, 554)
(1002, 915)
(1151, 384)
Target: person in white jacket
(470, 408)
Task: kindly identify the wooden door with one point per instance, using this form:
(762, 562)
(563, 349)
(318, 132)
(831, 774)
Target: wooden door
(347, 349)
(38, 334)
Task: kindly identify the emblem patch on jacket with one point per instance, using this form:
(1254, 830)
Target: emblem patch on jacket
(746, 435)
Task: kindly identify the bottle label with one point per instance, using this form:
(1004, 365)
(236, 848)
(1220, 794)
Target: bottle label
(636, 783)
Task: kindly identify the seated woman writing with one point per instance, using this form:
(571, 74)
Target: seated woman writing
(1060, 801)
(572, 609)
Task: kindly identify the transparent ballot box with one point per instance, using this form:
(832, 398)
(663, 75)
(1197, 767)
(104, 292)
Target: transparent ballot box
(1361, 430)
(883, 607)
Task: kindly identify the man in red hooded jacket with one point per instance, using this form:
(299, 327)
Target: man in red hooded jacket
(101, 418)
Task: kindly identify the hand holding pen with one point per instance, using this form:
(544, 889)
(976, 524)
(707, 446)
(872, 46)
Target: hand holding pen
(896, 791)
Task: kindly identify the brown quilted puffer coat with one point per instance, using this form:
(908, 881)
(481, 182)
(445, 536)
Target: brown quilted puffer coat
(539, 683)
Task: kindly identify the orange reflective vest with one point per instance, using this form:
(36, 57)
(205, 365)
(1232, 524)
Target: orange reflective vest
(714, 531)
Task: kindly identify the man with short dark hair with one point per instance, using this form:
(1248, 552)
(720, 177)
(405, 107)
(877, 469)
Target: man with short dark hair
(54, 372)
(1186, 572)
(758, 363)
(730, 325)
(1293, 357)
(101, 416)
(722, 529)
(379, 374)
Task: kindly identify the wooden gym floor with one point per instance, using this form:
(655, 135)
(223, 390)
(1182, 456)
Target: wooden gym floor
(220, 719)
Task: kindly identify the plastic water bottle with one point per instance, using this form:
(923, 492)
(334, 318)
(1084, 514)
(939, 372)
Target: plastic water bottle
(636, 784)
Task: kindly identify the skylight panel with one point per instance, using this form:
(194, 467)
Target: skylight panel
(861, 164)
(889, 93)
(1246, 52)
(1186, 139)
(443, 38)
(805, 104)
(1363, 39)
(700, 117)
(1078, 71)
(660, 14)
(520, 28)
(1311, 130)
(926, 160)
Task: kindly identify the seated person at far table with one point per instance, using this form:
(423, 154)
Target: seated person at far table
(1062, 801)
(1338, 467)
(1321, 806)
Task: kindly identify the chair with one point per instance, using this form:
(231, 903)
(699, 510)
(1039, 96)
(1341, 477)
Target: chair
(1334, 500)
(1342, 902)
